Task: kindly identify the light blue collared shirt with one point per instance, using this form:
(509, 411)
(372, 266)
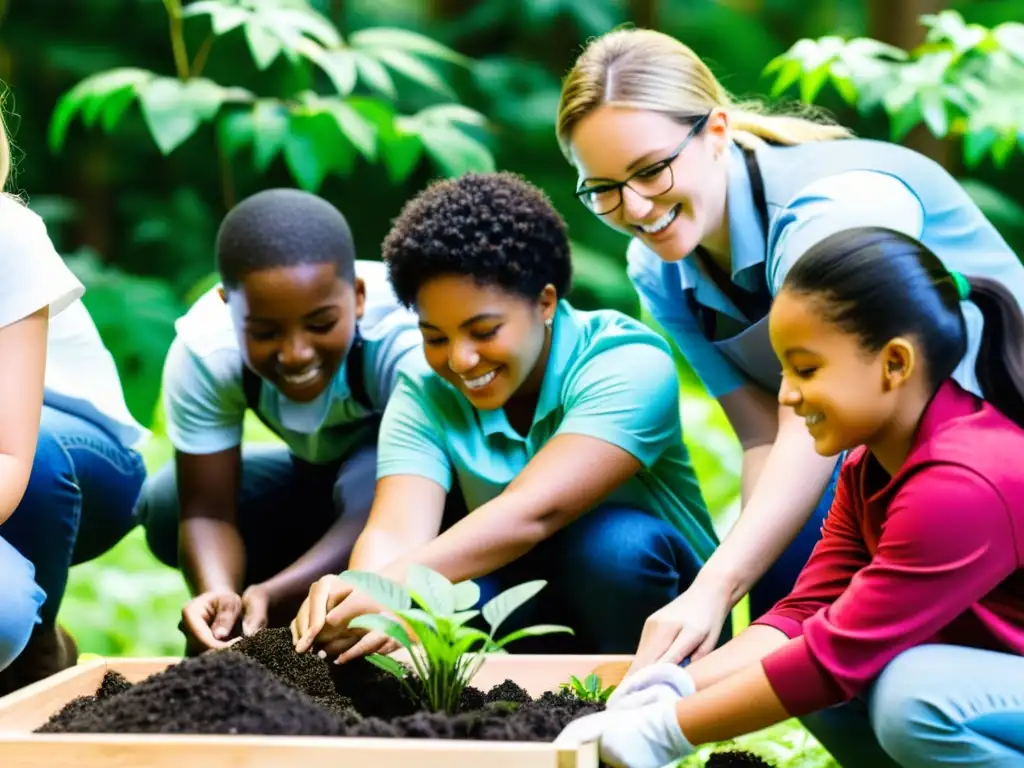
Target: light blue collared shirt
(814, 190)
(607, 376)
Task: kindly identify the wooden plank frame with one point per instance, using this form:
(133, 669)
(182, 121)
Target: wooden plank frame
(25, 710)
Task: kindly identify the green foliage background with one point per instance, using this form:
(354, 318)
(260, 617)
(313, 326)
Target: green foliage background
(210, 101)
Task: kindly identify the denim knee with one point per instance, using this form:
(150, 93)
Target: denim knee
(908, 723)
(20, 601)
(158, 513)
(622, 563)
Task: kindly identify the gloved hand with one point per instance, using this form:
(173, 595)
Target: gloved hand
(657, 682)
(640, 737)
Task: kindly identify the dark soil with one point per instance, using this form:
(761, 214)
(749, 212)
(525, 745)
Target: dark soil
(261, 686)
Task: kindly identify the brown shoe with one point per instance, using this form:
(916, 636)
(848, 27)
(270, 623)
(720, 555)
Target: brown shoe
(50, 650)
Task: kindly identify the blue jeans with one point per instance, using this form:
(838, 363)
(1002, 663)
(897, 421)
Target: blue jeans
(933, 705)
(778, 580)
(606, 573)
(78, 504)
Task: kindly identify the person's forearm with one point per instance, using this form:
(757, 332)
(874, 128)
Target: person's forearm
(212, 555)
(744, 650)
(788, 488)
(480, 543)
(13, 482)
(331, 554)
(742, 703)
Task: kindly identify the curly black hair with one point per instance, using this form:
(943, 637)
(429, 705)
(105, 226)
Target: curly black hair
(494, 227)
(283, 228)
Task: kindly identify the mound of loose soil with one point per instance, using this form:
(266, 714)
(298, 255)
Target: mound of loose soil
(261, 686)
(736, 759)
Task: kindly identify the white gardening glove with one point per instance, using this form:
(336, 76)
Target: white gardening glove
(657, 682)
(641, 737)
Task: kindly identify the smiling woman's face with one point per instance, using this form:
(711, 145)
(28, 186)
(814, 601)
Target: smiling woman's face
(612, 144)
(487, 342)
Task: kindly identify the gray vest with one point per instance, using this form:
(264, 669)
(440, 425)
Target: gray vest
(954, 228)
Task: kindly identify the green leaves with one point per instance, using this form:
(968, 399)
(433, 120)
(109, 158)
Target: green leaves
(448, 652)
(589, 689)
(318, 134)
(172, 109)
(964, 80)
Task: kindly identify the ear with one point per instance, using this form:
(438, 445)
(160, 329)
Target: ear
(220, 292)
(717, 129)
(899, 362)
(548, 303)
(360, 288)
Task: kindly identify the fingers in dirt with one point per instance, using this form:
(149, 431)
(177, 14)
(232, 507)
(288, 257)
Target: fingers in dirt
(371, 642)
(318, 595)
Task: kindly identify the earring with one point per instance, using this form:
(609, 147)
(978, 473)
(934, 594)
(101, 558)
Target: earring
(549, 321)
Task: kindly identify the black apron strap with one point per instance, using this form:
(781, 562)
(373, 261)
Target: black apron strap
(252, 383)
(754, 304)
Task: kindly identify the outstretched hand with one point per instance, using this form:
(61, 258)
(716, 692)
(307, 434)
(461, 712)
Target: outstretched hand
(686, 628)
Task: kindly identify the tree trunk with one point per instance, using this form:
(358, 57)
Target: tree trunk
(896, 22)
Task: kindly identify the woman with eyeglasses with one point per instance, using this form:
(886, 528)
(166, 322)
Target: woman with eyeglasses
(720, 200)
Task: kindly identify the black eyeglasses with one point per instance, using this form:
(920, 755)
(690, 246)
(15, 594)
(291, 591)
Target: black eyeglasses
(656, 179)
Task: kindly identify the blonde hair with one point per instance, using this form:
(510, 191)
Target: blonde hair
(5, 153)
(648, 70)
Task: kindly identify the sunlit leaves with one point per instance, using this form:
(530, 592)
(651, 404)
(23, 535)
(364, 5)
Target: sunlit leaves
(318, 134)
(964, 79)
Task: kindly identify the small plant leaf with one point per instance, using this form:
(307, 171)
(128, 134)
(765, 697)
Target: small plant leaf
(467, 595)
(501, 606)
(269, 130)
(387, 592)
(380, 623)
(432, 590)
(389, 665)
(461, 617)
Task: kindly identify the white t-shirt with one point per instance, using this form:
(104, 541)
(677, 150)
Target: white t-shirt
(81, 376)
(203, 395)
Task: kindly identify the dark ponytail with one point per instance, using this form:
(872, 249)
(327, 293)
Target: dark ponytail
(878, 284)
(1000, 364)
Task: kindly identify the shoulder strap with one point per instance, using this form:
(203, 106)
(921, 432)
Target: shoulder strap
(756, 304)
(354, 372)
(251, 386)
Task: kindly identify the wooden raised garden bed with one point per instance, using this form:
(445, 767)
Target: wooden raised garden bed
(24, 712)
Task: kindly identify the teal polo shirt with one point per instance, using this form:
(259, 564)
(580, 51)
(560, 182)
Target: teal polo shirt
(608, 376)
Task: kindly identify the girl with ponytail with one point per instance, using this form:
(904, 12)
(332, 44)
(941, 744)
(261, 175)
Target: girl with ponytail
(902, 641)
(720, 197)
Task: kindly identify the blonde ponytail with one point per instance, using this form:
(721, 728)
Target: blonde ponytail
(5, 155)
(649, 70)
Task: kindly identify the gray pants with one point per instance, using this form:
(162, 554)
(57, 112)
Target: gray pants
(285, 505)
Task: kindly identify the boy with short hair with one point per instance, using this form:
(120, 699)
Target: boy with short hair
(309, 339)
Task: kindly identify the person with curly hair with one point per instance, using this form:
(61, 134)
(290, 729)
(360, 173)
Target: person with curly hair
(559, 428)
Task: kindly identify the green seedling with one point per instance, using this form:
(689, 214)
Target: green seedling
(446, 653)
(589, 689)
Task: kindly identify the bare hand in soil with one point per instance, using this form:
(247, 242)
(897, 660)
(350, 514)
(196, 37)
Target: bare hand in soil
(255, 607)
(210, 618)
(689, 626)
(326, 594)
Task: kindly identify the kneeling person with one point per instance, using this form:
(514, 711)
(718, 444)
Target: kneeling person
(559, 428)
(309, 339)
